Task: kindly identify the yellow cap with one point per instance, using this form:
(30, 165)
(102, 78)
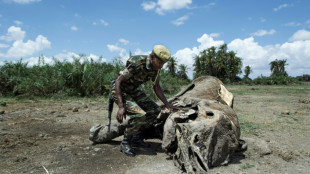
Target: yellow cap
(161, 52)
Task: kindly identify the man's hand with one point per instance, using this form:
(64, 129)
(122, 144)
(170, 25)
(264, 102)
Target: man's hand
(171, 107)
(121, 114)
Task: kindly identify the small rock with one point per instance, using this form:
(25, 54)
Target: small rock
(285, 112)
(85, 106)
(97, 149)
(52, 112)
(42, 135)
(61, 115)
(2, 112)
(75, 109)
(20, 159)
(87, 110)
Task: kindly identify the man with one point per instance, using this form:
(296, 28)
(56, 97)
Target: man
(142, 111)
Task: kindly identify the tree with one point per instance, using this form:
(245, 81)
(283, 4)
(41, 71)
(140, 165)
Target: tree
(247, 71)
(183, 72)
(277, 67)
(172, 64)
(234, 65)
(221, 64)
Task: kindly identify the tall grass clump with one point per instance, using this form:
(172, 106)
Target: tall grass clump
(80, 77)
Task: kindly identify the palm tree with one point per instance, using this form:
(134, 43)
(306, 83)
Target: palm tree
(282, 64)
(172, 64)
(183, 71)
(277, 67)
(247, 71)
(198, 67)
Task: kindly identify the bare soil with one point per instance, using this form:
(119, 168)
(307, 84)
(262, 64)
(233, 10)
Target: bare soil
(51, 136)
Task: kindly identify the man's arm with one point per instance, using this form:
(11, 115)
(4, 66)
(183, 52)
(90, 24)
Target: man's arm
(159, 93)
(121, 113)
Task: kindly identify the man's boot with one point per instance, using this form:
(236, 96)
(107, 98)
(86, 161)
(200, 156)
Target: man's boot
(125, 146)
(137, 140)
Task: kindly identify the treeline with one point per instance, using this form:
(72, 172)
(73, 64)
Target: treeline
(82, 77)
(226, 66)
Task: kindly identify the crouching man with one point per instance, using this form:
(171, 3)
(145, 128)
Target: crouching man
(132, 102)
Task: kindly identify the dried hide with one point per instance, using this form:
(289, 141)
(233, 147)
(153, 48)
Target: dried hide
(203, 134)
(206, 132)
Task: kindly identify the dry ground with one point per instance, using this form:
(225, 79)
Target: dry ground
(40, 136)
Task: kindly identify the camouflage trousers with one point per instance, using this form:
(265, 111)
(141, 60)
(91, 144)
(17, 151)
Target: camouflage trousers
(141, 110)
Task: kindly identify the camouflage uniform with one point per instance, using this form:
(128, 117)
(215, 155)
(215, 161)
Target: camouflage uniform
(142, 111)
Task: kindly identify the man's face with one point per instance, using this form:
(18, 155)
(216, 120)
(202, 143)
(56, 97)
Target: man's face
(157, 63)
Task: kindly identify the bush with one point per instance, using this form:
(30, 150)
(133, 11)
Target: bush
(78, 78)
(303, 78)
(274, 80)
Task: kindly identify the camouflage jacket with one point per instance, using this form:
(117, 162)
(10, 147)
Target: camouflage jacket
(138, 71)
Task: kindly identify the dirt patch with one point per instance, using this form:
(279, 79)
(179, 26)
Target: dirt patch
(36, 136)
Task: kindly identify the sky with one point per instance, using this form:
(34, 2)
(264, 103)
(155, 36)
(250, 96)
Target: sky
(259, 31)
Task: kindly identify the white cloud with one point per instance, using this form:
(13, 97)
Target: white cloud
(14, 33)
(65, 56)
(186, 55)
(252, 54)
(121, 52)
(300, 35)
(256, 56)
(104, 22)
(140, 52)
(214, 34)
(21, 49)
(24, 1)
(3, 45)
(180, 21)
(292, 24)
(35, 60)
(263, 32)
(74, 28)
(280, 7)
(148, 5)
(101, 21)
(96, 58)
(69, 56)
(113, 48)
(124, 41)
(18, 22)
(162, 6)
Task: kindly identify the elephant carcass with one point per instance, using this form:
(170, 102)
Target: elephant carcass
(204, 133)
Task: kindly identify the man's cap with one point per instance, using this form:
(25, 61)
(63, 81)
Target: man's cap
(162, 52)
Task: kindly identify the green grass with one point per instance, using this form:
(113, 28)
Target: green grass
(268, 89)
(248, 127)
(246, 166)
